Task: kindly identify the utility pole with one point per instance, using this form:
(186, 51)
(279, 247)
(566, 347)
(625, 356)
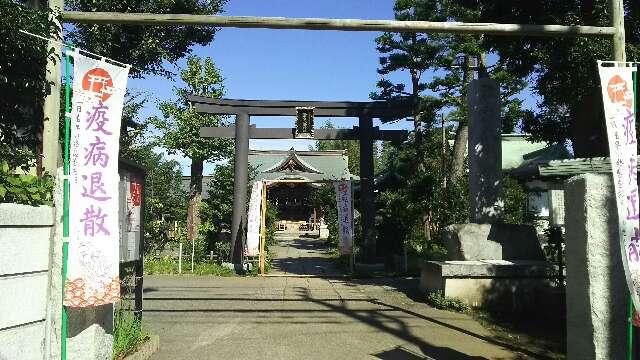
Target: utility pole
(51, 107)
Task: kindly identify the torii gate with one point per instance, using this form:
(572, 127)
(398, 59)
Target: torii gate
(366, 133)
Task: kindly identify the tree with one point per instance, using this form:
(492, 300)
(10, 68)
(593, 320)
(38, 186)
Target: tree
(22, 82)
(147, 48)
(163, 192)
(412, 52)
(563, 70)
(452, 61)
(180, 128)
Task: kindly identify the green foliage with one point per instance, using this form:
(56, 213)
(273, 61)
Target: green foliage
(442, 55)
(163, 192)
(180, 124)
(128, 334)
(216, 210)
(169, 266)
(439, 301)
(24, 189)
(515, 201)
(563, 71)
(22, 80)
(414, 203)
(147, 48)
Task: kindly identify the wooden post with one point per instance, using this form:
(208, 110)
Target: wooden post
(51, 106)
(263, 227)
(616, 8)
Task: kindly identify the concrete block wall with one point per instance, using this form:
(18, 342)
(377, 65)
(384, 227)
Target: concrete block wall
(24, 274)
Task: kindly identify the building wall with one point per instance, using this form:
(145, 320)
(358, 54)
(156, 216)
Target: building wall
(24, 270)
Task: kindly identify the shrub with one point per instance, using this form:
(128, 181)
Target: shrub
(128, 334)
(439, 301)
(24, 189)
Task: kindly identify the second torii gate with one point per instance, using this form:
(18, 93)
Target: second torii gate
(366, 133)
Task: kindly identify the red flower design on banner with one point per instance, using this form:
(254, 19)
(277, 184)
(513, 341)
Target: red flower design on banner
(619, 91)
(98, 80)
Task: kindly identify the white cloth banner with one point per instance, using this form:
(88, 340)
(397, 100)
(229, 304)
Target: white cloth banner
(254, 220)
(98, 95)
(345, 216)
(619, 109)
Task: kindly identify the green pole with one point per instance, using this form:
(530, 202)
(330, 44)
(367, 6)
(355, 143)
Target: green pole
(65, 209)
(635, 83)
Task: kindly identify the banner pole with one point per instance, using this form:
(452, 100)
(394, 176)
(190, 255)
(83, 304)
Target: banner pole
(635, 104)
(65, 201)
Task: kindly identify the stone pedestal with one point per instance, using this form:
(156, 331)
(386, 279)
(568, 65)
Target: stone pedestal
(90, 333)
(516, 285)
(485, 151)
(597, 295)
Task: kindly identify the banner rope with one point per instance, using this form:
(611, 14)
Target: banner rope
(69, 47)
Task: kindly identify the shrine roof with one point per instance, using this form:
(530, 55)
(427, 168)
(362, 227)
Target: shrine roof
(292, 164)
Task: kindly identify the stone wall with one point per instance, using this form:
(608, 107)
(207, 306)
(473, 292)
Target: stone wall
(24, 275)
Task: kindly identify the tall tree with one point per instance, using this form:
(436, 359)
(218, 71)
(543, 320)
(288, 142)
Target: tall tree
(452, 62)
(563, 70)
(180, 128)
(22, 81)
(414, 53)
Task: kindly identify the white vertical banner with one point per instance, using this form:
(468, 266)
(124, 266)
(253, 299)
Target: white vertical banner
(619, 109)
(252, 247)
(345, 216)
(98, 96)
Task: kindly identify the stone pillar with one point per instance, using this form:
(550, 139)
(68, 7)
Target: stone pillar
(597, 295)
(367, 203)
(90, 333)
(485, 151)
(240, 181)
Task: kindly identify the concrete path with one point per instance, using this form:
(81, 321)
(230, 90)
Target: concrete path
(295, 255)
(308, 318)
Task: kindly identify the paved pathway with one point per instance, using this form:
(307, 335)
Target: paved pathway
(293, 317)
(296, 255)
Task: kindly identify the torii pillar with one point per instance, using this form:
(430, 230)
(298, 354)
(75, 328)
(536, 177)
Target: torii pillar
(367, 200)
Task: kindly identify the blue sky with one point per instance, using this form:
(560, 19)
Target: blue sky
(289, 64)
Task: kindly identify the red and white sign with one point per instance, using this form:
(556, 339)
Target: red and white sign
(345, 216)
(619, 109)
(98, 95)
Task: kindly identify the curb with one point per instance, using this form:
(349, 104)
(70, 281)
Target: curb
(146, 349)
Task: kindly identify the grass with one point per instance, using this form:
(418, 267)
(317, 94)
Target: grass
(128, 334)
(439, 301)
(169, 266)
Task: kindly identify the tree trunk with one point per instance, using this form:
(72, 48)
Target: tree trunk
(415, 82)
(462, 132)
(195, 194)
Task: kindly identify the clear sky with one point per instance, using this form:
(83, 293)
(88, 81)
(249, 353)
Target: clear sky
(290, 64)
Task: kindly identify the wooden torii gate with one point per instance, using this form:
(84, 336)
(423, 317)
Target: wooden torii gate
(365, 132)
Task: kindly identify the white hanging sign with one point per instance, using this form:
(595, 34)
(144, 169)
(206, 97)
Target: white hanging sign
(619, 109)
(345, 216)
(253, 220)
(98, 95)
